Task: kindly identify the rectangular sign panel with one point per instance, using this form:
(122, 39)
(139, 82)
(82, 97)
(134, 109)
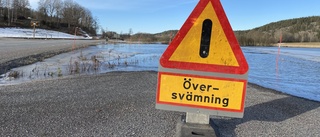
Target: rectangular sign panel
(201, 92)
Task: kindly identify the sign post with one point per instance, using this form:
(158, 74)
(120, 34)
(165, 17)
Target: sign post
(203, 71)
(34, 24)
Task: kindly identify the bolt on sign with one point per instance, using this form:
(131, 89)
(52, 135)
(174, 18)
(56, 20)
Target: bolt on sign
(203, 70)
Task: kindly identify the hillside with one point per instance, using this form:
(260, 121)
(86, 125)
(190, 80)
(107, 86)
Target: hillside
(297, 30)
(163, 37)
(64, 16)
(166, 36)
(305, 29)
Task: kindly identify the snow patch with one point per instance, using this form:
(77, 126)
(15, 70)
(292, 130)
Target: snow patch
(39, 33)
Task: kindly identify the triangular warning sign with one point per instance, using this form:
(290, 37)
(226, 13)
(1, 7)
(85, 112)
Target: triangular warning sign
(206, 42)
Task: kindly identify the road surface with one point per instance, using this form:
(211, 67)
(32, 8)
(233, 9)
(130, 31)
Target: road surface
(123, 104)
(19, 52)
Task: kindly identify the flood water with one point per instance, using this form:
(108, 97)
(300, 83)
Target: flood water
(297, 71)
(294, 71)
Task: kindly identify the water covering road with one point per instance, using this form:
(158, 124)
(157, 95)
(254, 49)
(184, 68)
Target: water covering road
(296, 72)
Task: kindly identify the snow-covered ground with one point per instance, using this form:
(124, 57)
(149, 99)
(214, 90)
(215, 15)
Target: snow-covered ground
(39, 33)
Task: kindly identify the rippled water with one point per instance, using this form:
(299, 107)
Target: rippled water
(296, 73)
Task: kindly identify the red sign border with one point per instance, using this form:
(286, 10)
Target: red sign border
(197, 106)
(243, 65)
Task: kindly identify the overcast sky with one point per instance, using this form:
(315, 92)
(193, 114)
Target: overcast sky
(154, 16)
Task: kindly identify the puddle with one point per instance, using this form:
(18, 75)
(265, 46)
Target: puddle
(93, 60)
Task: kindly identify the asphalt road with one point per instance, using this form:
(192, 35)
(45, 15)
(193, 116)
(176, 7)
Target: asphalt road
(270, 113)
(113, 104)
(123, 104)
(20, 52)
(17, 48)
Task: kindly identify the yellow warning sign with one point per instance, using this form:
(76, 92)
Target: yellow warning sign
(206, 43)
(191, 76)
(201, 92)
(220, 52)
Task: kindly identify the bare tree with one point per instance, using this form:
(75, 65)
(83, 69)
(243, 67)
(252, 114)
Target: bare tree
(87, 20)
(67, 12)
(58, 7)
(79, 12)
(15, 6)
(8, 4)
(25, 5)
(51, 9)
(42, 10)
(51, 13)
(19, 8)
(2, 5)
(94, 26)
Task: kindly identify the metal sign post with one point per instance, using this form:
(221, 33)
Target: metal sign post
(203, 71)
(34, 24)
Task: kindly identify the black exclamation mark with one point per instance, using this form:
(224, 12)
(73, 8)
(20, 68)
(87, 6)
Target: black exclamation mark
(205, 38)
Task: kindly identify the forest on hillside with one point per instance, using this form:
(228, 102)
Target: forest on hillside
(60, 15)
(305, 29)
(163, 37)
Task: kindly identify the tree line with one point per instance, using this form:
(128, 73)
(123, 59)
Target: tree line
(51, 14)
(163, 37)
(306, 29)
